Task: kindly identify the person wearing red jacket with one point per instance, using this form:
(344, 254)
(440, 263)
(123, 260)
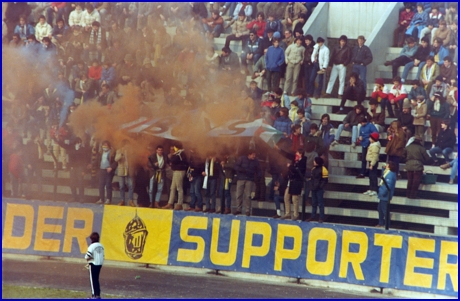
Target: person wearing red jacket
(55, 7)
(258, 25)
(405, 17)
(94, 74)
(397, 93)
(380, 94)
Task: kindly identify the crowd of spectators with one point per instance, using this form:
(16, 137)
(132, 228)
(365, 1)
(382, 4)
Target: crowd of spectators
(92, 50)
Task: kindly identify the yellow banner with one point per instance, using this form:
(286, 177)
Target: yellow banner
(136, 234)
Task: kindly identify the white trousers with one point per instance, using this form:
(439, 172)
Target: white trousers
(341, 71)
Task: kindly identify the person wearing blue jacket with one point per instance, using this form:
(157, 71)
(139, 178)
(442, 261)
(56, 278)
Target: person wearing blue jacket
(418, 23)
(438, 51)
(23, 29)
(108, 74)
(385, 195)
(274, 59)
(367, 128)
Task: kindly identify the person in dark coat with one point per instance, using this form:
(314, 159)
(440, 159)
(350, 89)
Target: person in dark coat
(295, 175)
(195, 175)
(248, 172)
(415, 156)
(157, 164)
(226, 178)
(445, 142)
(355, 90)
(79, 159)
(319, 179)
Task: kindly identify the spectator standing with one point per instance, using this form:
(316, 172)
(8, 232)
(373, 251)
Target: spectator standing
(248, 172)
(226, 179)
(340, 58)
(126, 172)
(179, 165)
(320, 61)
(372, 157)
(157, 164)
(365, 132)
(452, 100)
(361, 56)
(308, 65)
(296, 172)
(396, 143)
(415, 156)
(294, 59)
(304, 122)
(274, 59)
(195, 174)
(211, 177)
(105, 162)
(420, 117)
(385, 195)
(319, 179)
(437, 111)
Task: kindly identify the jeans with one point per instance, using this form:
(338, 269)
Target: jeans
(156, 188)
(211, 192)
(386, 103)
(254, 59)
(363, 160)
(105, 183)
(362, 71)
(50, 13)
(195, 192)
(354, 132)
(453, 171)
(382, 209)
(307, 71)
(129, 181)
(218, 29)
(437, 150)
(306, 187)
(340, 71)
(317, 200)
(419, 71)
(225, 196)
(313, 76)
(407, 68)
(373, 186)
(77, 181)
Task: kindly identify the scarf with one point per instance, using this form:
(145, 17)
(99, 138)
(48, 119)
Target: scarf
(209, 166)
(384, 175)
(437, 105)
(91, 37)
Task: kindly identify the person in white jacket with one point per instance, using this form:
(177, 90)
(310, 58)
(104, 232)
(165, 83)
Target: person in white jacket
(320, 61)
(43, 29)
(76, 16)
(372, 157)
(294, 55)
(89, 16)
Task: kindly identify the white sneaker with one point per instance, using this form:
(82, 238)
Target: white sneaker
(99, 202)
(372, 193)
(334, 143)
(353, 145)
(107, 202)
(367, 192)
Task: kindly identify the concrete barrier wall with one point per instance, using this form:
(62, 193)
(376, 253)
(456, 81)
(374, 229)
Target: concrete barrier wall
(328, 252)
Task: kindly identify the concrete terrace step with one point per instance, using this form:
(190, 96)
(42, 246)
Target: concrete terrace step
(401, 184)
(373, 214)
(357, 165)
(396, 200)
(358, 149)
